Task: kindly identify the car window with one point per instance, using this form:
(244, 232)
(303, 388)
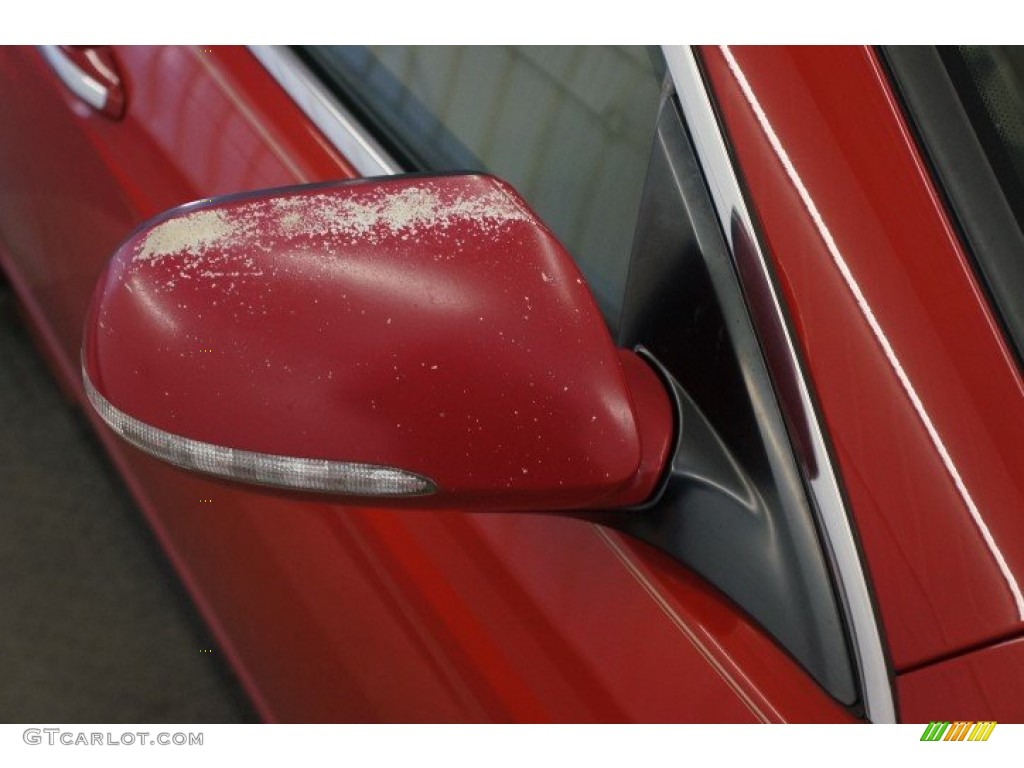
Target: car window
(569, 127)
(990, 81)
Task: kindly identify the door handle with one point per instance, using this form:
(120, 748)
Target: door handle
(89, 72)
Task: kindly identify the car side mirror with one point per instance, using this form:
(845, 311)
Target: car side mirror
(425, 341)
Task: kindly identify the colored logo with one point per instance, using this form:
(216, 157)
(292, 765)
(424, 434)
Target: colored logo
(959, 731)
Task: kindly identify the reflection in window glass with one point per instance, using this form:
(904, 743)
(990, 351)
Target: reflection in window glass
(569, 127)
(990, 82)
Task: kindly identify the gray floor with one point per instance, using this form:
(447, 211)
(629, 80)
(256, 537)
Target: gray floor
(93, 625)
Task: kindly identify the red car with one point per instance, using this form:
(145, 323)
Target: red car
(755, 452)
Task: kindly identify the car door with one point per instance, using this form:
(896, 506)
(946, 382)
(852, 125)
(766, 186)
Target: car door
(340, 613)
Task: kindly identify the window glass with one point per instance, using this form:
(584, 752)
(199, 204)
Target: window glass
(569, 127)
(990, 82)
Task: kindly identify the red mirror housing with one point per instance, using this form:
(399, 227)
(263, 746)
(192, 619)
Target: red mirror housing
(424, 340)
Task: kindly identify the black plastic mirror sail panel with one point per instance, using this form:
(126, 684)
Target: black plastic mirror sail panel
(734, 507)
(711, 516)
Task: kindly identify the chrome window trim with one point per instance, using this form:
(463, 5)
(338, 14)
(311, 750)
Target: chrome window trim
(727, 197)
(77, 80)
(325, 111)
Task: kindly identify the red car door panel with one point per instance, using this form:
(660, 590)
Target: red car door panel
(974, 686)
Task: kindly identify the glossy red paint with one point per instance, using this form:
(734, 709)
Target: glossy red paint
(920, 394)
(332, 613)
(438, 617)
(200, 124)
(433, 325)
(982, 685)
